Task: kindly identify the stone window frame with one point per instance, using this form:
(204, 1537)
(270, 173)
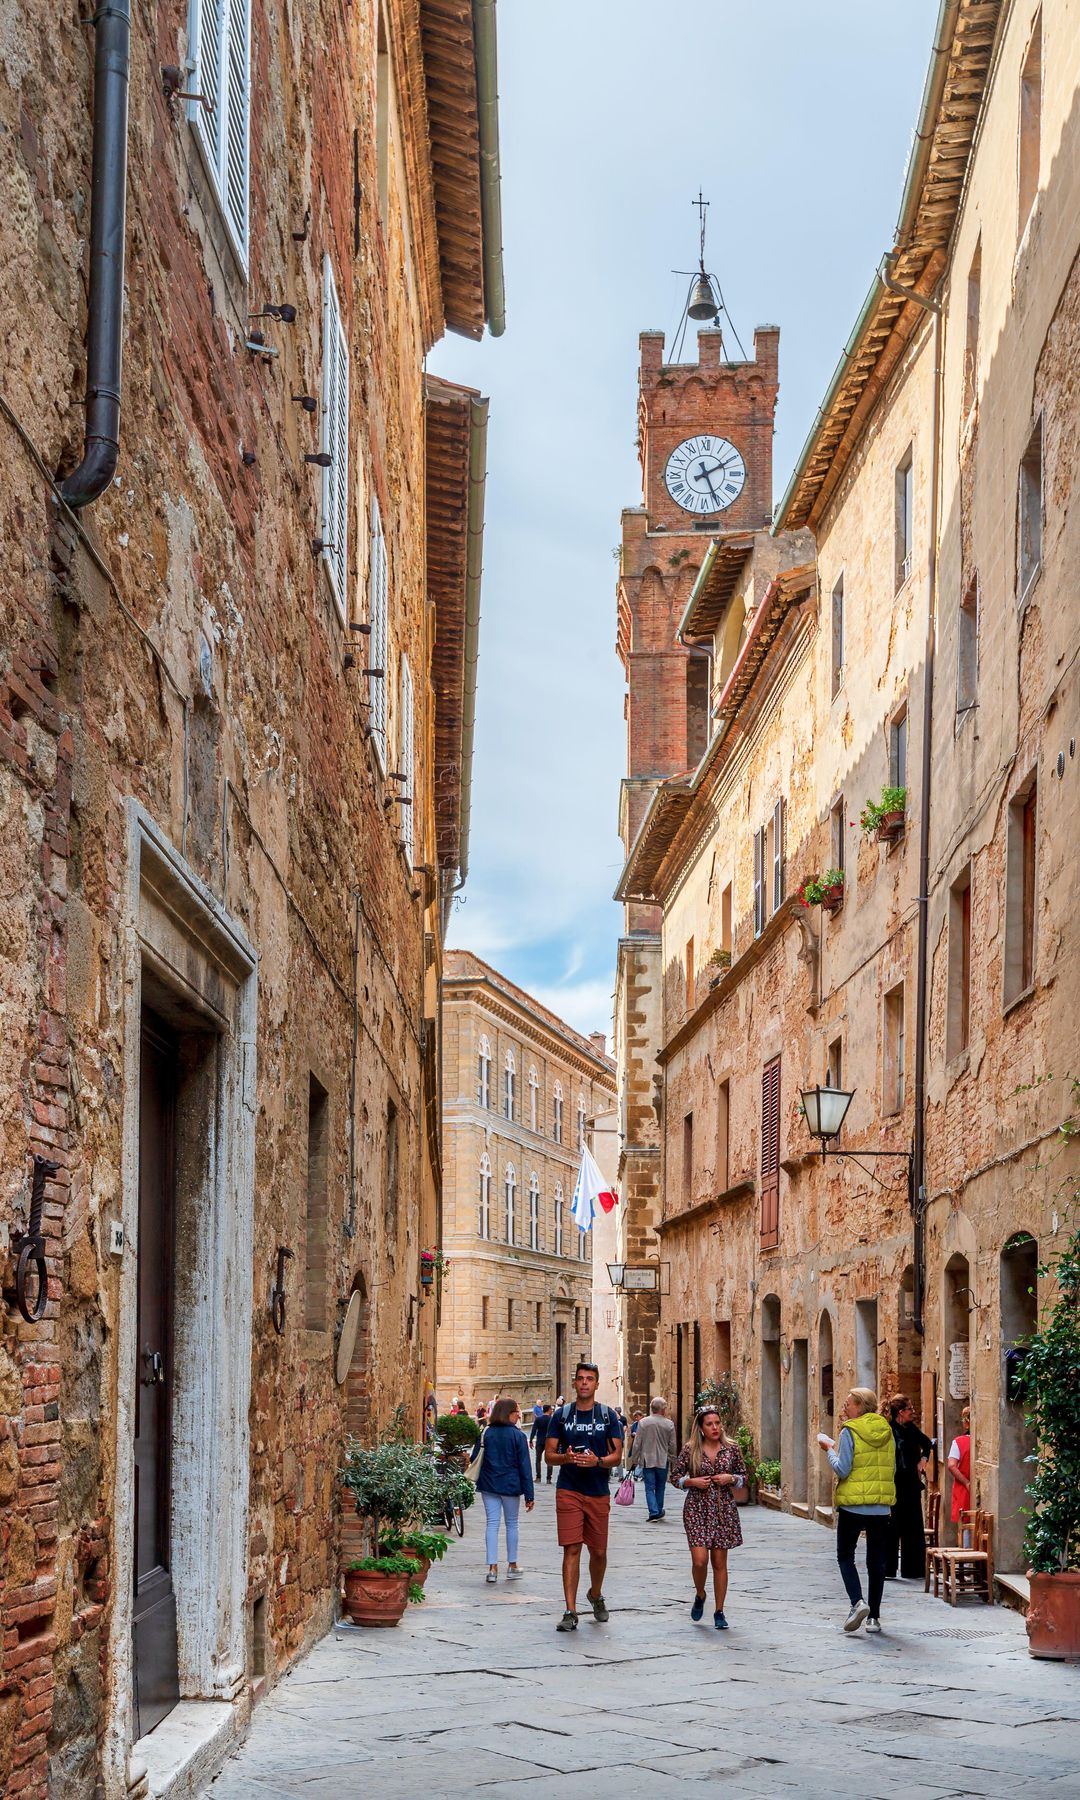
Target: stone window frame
(509, 1085)
(534, 1211)
(560, 1201)
(557, 1112)
(534, 1106)
(483, 1218)
(510, 1196)
(483, 1072)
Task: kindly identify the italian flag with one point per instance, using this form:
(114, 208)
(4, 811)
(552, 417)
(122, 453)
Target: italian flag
(591, 1187)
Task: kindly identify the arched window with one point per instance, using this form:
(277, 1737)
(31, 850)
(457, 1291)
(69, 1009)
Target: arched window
(581, 1246)
(556, 1112)
(581, 1121)
(483, 1224)
(534, 1211)
(534, 1100)
(511, 1197)
(483, 1073)
(558, 1217)
(509, 1077)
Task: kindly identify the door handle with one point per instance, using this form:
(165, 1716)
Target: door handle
(155, 1363)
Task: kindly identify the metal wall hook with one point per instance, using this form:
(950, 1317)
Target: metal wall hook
(29, 1246)
(277, 1292)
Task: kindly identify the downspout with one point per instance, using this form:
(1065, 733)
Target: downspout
(487, 103)
(105, 299)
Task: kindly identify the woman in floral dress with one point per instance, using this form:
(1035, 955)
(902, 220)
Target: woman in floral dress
(710, 1468)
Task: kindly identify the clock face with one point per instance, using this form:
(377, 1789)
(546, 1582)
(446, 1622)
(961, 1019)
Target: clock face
(705, 474)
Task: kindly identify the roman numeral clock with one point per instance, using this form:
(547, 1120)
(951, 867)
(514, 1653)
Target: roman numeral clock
(705, 474)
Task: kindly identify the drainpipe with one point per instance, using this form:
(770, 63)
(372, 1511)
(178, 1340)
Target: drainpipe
(105, 302)
(487, 101)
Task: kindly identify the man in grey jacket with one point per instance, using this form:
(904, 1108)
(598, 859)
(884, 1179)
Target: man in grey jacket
(654, 1451)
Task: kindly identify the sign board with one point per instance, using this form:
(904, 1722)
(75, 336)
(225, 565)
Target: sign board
(640, 1280)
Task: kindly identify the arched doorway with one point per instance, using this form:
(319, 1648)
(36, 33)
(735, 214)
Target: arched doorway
(866, 1344)
(956, 1381)
(800, 1421)
(826, 1396)
(357, 1409)
(769, 1435)
(1019, 1317)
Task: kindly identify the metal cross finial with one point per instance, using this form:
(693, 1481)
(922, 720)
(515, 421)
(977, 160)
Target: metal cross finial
(703, 206)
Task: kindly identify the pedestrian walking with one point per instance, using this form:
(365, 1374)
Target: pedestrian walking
(538, 1437)
(906, 1553)
(960, 1470)
(653, 1451)
(711, 1469)
(584, 1444)
(864, 1463)
(505, 1478)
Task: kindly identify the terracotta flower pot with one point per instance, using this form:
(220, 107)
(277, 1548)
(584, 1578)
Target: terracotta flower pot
(425, 1565)
(1053, 1620)
(374, 1599)
(832, 899)
(890, 825)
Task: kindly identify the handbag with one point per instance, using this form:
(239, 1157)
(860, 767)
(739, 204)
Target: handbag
(472, 1469)
(625, 1493)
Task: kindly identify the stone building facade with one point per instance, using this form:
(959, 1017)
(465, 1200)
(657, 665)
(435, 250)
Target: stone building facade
(521, 1091)
(234, 736)
(932, 650)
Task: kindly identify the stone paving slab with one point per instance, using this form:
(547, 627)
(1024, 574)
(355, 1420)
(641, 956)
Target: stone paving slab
(475, 1692)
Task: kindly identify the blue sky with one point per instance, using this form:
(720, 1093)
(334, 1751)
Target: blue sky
(795, 119)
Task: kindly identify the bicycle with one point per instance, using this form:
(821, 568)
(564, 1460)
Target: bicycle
(453, 1513)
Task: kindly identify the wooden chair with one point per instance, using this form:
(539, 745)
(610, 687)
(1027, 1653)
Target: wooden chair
(971, 1571)
(933, 1517)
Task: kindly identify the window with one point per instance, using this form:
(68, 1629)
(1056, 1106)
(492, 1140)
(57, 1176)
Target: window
(485, 1306)
(583, 1246)
(219, 39)
(334, 442)
(509, 1078)
(688, 1158)
(905, 500)
(581, 1121)
(556, 1112)
(834, 1068)
(378, 584)
(838, 833)
(393, 1167)
(768, 868)
(483, 1073)
(967, 650)
(1030, 509)
(534, 1092)
(316, 1193)
(1030, 144)
(898, 746)
(511, 1203)
(770, 1155)
(577, 1321)
(892, 1074)
(688, 969)
(1020, 892)
(725, 919)
(586, 1321)
(723, 1135)
(534, 1211)
(958, 999)
(406, 761)
(838, 637)
(509, 1315)
(971, 341)
(558, 1218)
(483, 1222)
(539, 1315)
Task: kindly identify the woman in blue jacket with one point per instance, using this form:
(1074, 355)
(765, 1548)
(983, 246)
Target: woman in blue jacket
(505, 1475)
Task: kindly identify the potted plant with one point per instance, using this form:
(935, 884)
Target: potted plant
(721, 959)
(378, 1588)
(768, 1483)
(1052, 1400)
(744, 1437)
(455, 1432)
(425, 1547)
(432, 1263)
(885, 817)
(824, 890)
(720, 1391)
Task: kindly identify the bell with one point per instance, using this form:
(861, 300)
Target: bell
(702, 305)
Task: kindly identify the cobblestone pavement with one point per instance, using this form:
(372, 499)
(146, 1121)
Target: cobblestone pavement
(475, 1693)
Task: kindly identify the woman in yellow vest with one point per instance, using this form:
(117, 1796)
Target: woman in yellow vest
(864, 1462)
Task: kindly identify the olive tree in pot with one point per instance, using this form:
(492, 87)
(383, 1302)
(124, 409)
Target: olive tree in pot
(393, 1485)
(1052, 1398)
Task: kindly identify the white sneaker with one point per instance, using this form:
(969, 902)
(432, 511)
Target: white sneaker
(858, 1613)
(492, 1577)
(873, 1625)
(514, 1574)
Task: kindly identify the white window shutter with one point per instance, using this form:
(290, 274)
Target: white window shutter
(335, 441)
(406, 760)
(377, 645)
(235, 125)
(206, 40)
(759, 882)
(778, 855)
(219, 36)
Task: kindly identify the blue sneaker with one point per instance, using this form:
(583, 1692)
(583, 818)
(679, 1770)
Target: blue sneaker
(698, 1607)
(720, 1622)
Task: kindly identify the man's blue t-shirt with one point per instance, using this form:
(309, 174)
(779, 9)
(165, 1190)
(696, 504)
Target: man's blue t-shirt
(577, 1430)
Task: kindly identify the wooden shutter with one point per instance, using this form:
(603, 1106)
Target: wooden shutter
(770, 1155)
(406, 760)
(377, 647)
(335, 441)
(759, 882)
(778, 856)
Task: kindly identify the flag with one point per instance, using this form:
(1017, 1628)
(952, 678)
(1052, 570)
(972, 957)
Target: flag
(590, 1188)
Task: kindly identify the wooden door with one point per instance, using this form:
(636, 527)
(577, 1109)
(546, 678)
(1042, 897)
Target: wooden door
(157, 1684)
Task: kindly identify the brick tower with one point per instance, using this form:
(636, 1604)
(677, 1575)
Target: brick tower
(705, 433)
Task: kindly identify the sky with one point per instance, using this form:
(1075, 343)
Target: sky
(795, 118)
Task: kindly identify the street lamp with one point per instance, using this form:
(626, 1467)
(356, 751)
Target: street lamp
(825, 1109)
(616, 1271)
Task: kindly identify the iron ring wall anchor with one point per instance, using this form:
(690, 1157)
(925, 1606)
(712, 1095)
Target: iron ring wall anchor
(30, 1246)
(277, 1292)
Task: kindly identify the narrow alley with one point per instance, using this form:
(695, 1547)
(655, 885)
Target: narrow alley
(475, 1691)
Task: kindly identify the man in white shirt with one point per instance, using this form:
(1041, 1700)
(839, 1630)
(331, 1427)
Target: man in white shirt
(655, 1449)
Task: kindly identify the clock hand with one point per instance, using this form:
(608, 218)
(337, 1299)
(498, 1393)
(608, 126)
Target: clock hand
(706, 475)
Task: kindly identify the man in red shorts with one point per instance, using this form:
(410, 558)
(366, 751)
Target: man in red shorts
(584, 1443)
